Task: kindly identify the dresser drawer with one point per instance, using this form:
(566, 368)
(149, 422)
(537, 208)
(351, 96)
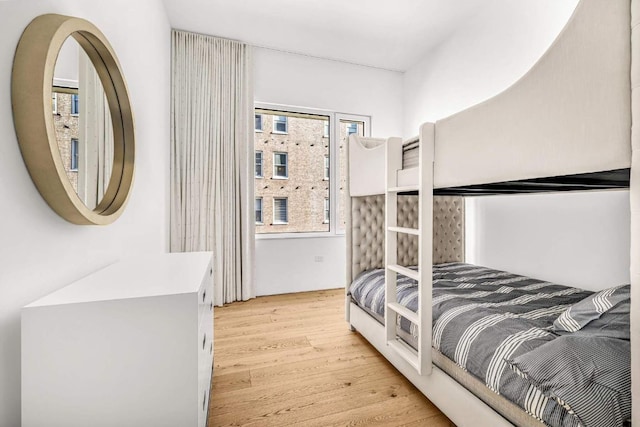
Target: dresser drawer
(205, 294)
(203, 407)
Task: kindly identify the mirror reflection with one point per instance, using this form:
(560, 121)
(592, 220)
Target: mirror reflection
(82, 122)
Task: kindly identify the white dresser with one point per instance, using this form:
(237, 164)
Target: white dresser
(130, 345)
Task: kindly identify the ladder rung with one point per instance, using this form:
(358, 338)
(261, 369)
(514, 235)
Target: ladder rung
(403, 189)
(405, 312)
(404, 271)
(405, 230)
(406, 352)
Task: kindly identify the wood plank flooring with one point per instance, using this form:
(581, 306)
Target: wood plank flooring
(291, 360)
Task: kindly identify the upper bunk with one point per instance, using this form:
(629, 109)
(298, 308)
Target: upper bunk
(564, 126)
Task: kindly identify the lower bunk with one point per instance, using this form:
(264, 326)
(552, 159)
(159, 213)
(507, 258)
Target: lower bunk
(509, 349)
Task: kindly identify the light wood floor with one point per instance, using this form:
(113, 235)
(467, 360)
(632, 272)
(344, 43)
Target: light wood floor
(291, 360)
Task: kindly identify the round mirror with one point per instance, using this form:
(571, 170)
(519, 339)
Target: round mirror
(73, 119)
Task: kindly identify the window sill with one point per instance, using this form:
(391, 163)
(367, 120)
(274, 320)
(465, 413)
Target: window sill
(301, 235)
(279, 133)
(280, 223)
(280, 177)
(259, 223)
(258, 177)
(258, 130)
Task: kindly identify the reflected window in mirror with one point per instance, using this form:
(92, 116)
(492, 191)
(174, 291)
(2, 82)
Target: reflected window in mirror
(84, 135)
(74, 104)
(54, 102)
(74, 155)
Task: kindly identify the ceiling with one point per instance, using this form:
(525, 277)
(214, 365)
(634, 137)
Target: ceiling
(387, 34)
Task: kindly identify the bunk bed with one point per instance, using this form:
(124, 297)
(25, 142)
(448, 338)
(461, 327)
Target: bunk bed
(564, 126)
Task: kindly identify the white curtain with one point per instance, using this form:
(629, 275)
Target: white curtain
(211, 147)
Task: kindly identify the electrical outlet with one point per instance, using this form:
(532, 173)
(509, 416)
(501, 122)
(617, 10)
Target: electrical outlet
(318, 258)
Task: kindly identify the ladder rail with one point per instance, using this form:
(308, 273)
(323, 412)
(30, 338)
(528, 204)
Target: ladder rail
(425, 246)
(393, 154)
(420, 359)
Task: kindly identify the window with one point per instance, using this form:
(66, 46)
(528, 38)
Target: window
(74, 155)
(54, 102)
(280, 124)
(280, 210)
(258, 207)
(327, 213)
(280, 166)
(258, 123)
(326, 168)
(74, 104)
(305, 168)
(259, 164)
(352, 128)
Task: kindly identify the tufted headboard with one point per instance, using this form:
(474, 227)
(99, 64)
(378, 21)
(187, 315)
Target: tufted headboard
(365, 242)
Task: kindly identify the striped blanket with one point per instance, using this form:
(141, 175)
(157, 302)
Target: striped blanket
(481, 318)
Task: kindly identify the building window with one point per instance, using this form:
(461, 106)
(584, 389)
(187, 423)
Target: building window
(327, 213)
(280, 210)
(259, 173)
(326, 168)
(258, 123)
(74, 104)
(352, 128)
(280, 124)
(74, 155)
(258, 210)
(280, 165)
(54, 102)
(326, 129)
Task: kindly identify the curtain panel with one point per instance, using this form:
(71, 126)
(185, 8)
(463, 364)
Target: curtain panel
(211, 149)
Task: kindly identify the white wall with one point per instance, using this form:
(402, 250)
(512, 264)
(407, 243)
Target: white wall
(289, 265)
(482, 58)
(39, 251)
(577, 239)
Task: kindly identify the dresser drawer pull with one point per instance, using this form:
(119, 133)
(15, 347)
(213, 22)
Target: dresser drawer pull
(204, 401)
(211, 349)
(204, 340)
(204, 295)
(211, 306)
(211, 271)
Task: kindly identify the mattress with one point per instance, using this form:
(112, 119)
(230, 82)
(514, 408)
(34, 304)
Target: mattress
(481, 317)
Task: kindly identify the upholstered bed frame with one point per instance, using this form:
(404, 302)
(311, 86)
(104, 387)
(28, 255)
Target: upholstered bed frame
(572, 113)
(366, 236)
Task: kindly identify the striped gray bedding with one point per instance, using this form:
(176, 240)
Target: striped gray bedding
(483, 318)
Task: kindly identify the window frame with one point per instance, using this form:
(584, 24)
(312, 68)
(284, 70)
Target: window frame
(327, 211)
(286, 123)
(255, 210)
(351, 133)
(54, 102)
(75, 101)
(327, 167)
(261, 123)
(255, 164)
(74, 154)
(334, 163)
(275, 165)
(286, 221)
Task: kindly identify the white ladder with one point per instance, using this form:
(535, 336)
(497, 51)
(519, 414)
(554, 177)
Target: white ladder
(420, 360)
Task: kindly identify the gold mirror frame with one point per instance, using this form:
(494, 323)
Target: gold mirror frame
(31, 93)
